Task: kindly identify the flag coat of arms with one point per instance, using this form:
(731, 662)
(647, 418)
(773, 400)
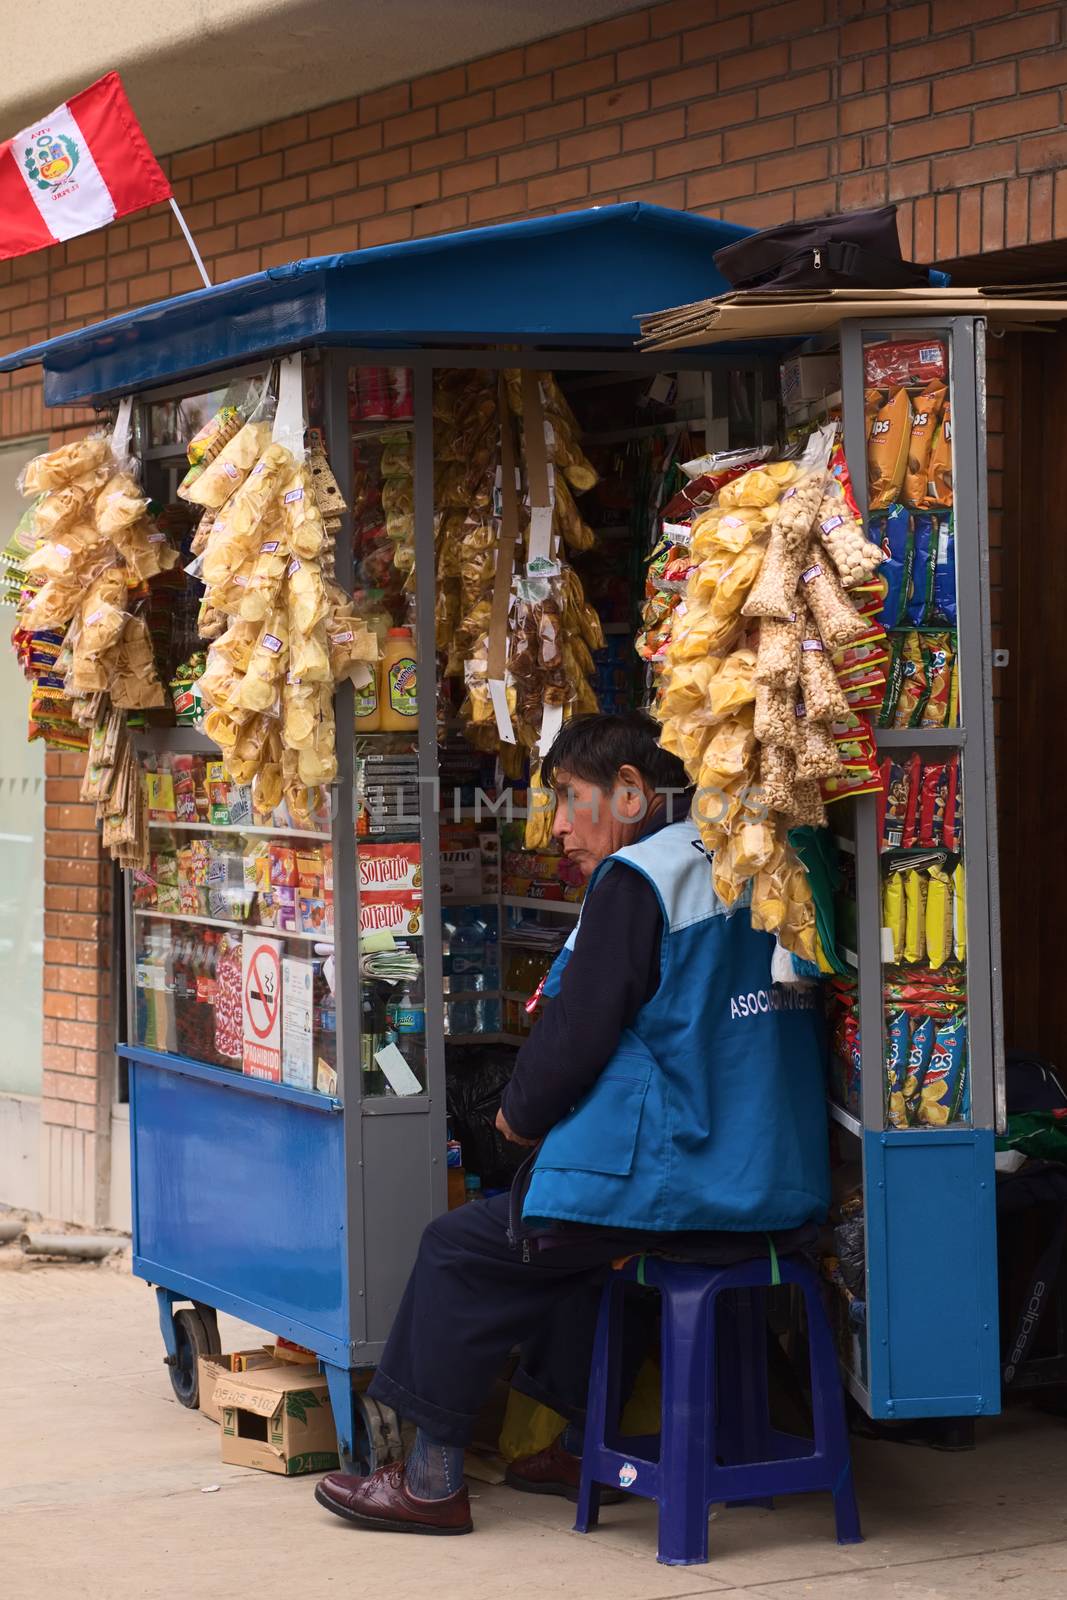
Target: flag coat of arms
(79, 168)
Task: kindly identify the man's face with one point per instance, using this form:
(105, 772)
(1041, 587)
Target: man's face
(592, 823)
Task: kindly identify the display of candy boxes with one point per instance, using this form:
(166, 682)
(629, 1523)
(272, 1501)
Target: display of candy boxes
(391, 913)
(388, 868)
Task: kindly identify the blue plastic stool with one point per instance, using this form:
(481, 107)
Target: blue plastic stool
(717, 1442)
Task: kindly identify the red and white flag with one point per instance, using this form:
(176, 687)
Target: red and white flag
(77, 169)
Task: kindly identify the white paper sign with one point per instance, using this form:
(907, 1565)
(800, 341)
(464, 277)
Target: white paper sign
(498, 695)
(540, 547)
(298, 1012)
(261, 1007)
(551, 723)
(398, 1074)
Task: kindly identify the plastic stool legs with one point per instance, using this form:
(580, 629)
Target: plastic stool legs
(686, 1439)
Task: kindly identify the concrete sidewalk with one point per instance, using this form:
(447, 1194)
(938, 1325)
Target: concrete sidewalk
(103, 1478)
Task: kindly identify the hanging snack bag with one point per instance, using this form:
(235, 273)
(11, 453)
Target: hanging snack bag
(914, 687)
(939, 481)
(823, 695)
(920, 1050)
(942, 1090)
(896, 1066)
(887, 451)
(953, 831)
(939, 918)
(939, 656)
(932, 801)
(774, 591)
(893, 913)
(838, 623)
(778, 657)
(919, 601)
(898, 555)
(214, 486)
(928, 407)
(816, 751)
(778, 777)
(776, 719)
(944, 586)
(915, 888)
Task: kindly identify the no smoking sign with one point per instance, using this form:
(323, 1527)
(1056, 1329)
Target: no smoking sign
(261, 1007)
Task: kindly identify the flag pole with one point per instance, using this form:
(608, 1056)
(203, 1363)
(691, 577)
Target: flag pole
(183, 225)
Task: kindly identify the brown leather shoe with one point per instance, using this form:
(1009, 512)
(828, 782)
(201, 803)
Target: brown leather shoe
(553, 1471)
(383, 1504)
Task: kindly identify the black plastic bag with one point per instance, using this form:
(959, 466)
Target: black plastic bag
(477, 1075)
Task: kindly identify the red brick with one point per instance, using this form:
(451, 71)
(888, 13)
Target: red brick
(382, 103)
(471, 175)
(869, 111)
(525, 163)
(281, 135)
(722, 111)
(623, 173)
(547, 123)
(186, 163)
(863, 189)
(970, 222)
(592, 145)
(755, 66)
(305, 157)
(662, 127)
(438, 86)
(264, 169)
(681, 14)
(583, 77)
(993, 216)
(492, 204)
(417, 191)
(787, 20)
(1017, 36)
(303, 219)
(690, 156)
(359, 204)
(1046, 71)
(385, 230)
(338, 118)
(766, 211)
(740, 144)
(813, 50)
(384, 165)
(813, 126)
(521, 96)
(778, 172)
(912, 22)
(464, 113)
(724, 183)
(1017, 116)
(968, 88)
(946, 220)
(918, 61)
(447, 216)
(974, 166)
(1042, 151)
(59, 1113)
(1017, 212)
(239, 147)
(555, 52)
(281, 196)
(233, 207)
(649, 60)
(443, 151)
(850, 78)
(86, 1118)
(930, 138)
(556, 187)
(794, 94)
(505, 67)
(719, 39)
(860, 38)
(909, 178)
(60, 1005)
(357, 142)
(923, 229)
(1040, 207)
(334, 179)
(503, 135)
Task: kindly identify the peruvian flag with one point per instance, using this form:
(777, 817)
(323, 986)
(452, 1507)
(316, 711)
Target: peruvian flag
(77, 169)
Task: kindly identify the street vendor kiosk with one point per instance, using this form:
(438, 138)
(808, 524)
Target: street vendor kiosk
(298, 981)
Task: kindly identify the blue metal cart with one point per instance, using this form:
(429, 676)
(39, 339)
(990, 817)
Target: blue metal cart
(299, 1211)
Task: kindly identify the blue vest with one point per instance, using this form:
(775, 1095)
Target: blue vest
(712, 1111)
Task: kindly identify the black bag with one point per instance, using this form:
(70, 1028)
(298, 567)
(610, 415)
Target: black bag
(852, 250)
(477, 1075)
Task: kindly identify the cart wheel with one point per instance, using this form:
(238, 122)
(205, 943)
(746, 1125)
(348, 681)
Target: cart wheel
(195, 1339)
(210, 1318)
(377, 1438)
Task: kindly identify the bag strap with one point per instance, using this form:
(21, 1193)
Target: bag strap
(1035, 1302)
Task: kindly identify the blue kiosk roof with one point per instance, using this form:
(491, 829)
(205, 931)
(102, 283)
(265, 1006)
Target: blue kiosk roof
(579, 279)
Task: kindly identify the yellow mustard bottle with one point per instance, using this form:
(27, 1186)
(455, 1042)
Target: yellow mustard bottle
(398, 692)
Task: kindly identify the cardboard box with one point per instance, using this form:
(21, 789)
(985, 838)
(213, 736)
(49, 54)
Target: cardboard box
(809, 377)
(211, 1368)
(277, 1419)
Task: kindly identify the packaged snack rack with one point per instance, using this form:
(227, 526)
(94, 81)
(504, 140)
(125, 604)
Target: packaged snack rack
(299, 1208)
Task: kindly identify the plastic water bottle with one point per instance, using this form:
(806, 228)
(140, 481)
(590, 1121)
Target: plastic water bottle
(468, 972)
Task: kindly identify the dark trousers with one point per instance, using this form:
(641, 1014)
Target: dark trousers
(473, 1296)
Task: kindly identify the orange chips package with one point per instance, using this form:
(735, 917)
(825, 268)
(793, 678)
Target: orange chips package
(928, 407)
(887, 451)
(939, 472)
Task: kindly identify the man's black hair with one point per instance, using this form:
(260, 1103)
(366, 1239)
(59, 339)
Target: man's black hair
(594, 747)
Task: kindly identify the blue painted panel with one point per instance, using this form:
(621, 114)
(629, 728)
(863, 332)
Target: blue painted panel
(241, 1193)
(930, 1201)
(582, 277)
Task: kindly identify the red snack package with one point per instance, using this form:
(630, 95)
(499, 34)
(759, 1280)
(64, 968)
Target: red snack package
(910, 833)
(911, 363)
(951, 834)
(839, 469)
(932, 801)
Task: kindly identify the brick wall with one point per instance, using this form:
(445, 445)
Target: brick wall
(758, 112)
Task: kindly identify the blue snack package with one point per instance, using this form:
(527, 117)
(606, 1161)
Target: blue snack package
(924, 555)
(894, 532)
(941, 1095)
(920, 1052)
(896, 1064)
(944, 588)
